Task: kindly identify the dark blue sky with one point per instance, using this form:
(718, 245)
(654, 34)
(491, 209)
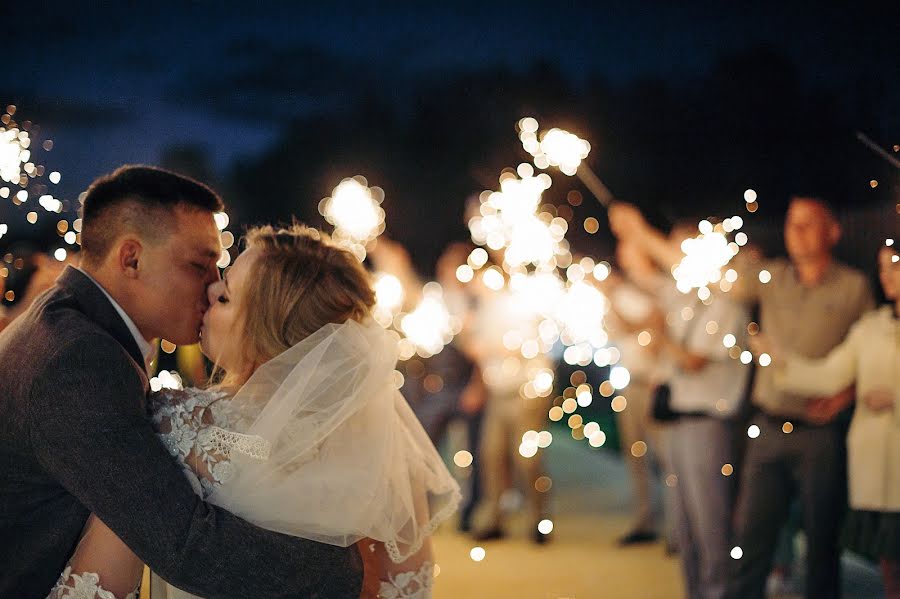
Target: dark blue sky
(120, 84)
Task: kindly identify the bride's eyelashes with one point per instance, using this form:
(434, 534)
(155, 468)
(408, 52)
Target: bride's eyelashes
(222, 299)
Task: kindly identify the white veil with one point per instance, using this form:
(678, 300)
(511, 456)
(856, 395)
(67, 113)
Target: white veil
(348, 459)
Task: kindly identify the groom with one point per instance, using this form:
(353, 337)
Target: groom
(74, 438)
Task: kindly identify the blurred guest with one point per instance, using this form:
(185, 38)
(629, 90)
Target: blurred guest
(869, 358)
(706, 388)
(447, 386)
(807, 305)
(632, 304)
(28, 275)
(508, 414)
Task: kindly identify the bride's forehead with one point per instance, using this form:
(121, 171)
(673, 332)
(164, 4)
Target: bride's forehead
(242, 263)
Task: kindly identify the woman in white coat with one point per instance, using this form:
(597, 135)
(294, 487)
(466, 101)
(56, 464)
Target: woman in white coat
(870, 357)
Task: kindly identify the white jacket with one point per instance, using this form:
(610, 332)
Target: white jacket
(870, 355)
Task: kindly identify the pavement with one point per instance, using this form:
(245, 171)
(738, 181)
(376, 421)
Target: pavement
(590, 510)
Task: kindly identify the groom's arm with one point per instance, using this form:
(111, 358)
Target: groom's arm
(90, 433)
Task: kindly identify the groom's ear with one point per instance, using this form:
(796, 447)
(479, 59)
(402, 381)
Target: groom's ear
(129, 257)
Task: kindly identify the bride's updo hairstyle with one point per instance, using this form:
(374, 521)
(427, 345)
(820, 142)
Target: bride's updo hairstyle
(300, 282)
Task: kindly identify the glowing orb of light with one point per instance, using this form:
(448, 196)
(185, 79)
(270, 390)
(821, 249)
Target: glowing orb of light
(429, 326)
(619, 377)
(545, 527)
(581, 312)
(354, 210)
(704, 257)
(221, 219)
(477, 554)
(50, 204)
(564, 150)
(463, 459)
(165, 380)
(388, 298)
(13, 154)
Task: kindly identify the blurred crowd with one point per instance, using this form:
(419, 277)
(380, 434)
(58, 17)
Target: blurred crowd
(747, 453)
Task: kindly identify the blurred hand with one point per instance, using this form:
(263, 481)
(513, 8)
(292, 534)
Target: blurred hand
(763, 344)
(453, 256)
(879, 399)
(390, 256)
(626, 220)
(656, 322)
(821, 410)
(473, 396)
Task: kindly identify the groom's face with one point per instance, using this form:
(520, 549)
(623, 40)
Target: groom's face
(176, 273)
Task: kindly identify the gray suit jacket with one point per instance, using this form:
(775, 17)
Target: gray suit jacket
(75, 439)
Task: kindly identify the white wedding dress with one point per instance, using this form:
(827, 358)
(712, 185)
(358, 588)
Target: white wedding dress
(318, 444)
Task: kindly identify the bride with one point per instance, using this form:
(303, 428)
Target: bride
(306, 434)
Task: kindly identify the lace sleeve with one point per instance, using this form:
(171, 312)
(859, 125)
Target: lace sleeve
(386, 579)
(197, 435)
(102, 567)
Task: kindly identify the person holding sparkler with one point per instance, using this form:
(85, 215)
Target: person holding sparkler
(869, 358)
(807, 305)
(706, 388)
(508, 414)
(633, 302)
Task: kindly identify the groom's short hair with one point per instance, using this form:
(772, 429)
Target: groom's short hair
(138, 199)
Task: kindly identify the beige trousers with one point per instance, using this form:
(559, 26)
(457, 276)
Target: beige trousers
(506, 418)
(636, 424)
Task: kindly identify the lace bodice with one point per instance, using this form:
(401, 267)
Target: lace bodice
(199, 427)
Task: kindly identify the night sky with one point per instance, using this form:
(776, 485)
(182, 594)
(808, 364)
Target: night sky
(124, 83)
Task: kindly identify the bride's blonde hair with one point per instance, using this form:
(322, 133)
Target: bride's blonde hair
(300, 282)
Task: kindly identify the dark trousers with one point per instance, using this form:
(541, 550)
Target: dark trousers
(435, 413)
(808, 463)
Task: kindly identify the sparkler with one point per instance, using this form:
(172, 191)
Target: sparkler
(566, 151)
(877, 149)
(354, 209)
(705, 255)
(430, 326)
(388, 298)
(22, 177)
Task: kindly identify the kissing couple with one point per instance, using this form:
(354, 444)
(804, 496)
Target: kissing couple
(301, 472)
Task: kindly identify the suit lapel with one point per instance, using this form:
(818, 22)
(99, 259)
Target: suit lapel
(97, 307)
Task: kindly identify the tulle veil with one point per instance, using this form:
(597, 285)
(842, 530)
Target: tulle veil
(347, 457)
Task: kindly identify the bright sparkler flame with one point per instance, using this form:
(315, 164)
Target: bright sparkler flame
(388, 298)
(556, 147)
(13, 154)
(509, 221)
(705, 256)
(429, 326)
(564, 150)
(354, 209)
(581, 313)
(537, 294)
(19, 167)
